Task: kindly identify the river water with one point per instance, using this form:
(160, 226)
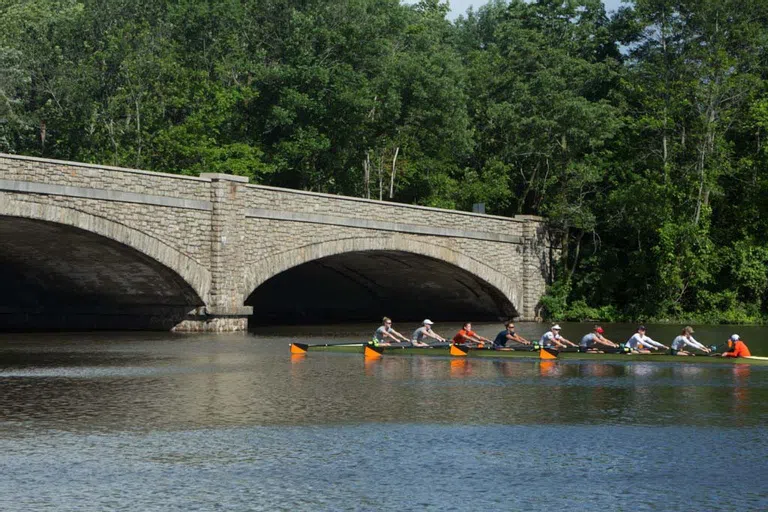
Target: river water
(160, 421)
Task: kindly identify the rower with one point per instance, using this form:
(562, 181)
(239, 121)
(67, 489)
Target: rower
(552, 338)
(386, 335)
(592, 342)
(509, 335)
(686, 340)
(425, 331)
(639, 343)
(466, 336)
(736, 348)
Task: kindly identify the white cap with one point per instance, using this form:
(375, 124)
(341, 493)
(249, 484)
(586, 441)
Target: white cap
(427, 322)
(735, 337)
(555, 327)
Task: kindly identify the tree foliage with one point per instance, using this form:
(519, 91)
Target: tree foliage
(639, 134)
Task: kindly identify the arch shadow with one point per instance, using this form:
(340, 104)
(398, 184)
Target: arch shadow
(66, 269)
(362, 278)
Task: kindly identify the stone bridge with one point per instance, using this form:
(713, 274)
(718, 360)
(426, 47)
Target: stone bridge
(93, 247)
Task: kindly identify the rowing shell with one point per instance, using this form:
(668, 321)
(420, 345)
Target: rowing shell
(459, 351)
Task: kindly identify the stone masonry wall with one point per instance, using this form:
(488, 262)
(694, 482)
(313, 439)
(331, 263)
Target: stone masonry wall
(303, 202)
(285, 236)
(102, 177)
(244, 234)
(188, 231)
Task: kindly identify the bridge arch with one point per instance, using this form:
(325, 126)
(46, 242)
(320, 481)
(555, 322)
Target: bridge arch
(470, 276)
(147, 264)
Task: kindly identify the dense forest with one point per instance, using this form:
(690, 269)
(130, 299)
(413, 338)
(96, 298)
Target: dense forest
(640, 134)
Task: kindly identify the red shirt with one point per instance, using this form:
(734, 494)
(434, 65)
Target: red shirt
(739, 350)
(462, 335)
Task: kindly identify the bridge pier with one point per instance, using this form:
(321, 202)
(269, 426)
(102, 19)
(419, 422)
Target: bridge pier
(224, 310)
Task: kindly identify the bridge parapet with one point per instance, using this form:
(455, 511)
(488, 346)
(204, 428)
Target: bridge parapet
(271, 199)
(119, 179)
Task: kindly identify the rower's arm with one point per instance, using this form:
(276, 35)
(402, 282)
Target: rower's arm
(433, 334)
(605, 341)
(398, 335)
(518, 339)
(389, 334)
(653, 343)
(692, 342)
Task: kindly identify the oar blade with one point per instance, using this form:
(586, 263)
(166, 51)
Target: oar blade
(458, 351)
(547, 353)
(373, 352)
(299, 348)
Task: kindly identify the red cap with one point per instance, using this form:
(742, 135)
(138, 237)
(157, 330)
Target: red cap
(599, 330)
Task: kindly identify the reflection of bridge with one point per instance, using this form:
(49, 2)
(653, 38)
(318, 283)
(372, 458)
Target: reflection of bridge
(85, 246)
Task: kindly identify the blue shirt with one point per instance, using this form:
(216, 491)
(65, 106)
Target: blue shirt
(501, 338)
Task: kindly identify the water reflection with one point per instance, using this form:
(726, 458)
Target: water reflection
(212, 382)
(741, 374)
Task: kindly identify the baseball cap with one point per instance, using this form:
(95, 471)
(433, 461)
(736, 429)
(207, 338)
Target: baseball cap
(599, 330)
(428, 321)
(555, 327)
(735, 337)
(642, 328)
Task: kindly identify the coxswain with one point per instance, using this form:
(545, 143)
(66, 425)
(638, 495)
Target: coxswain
(736, 348)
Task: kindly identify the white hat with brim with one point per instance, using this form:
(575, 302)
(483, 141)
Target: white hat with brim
(555, 327)
(735, 337)
(427, 322)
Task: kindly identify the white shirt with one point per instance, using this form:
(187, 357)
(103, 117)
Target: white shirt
(635, 341)
(548, 337)
(681, 341)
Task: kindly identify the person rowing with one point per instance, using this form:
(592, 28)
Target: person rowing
(640, 343)
(686, 340)
(552, 338)
(386, 335)
(466, 336)
(594, 341)
(425, 331)
(736, 348)
(508, 335)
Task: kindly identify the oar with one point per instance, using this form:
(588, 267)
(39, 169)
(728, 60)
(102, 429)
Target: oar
(301, 348)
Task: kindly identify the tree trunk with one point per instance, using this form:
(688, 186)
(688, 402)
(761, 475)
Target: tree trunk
(381, 178)
(392, 176)
(576, 255)
(706, 148)
(367, 174)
